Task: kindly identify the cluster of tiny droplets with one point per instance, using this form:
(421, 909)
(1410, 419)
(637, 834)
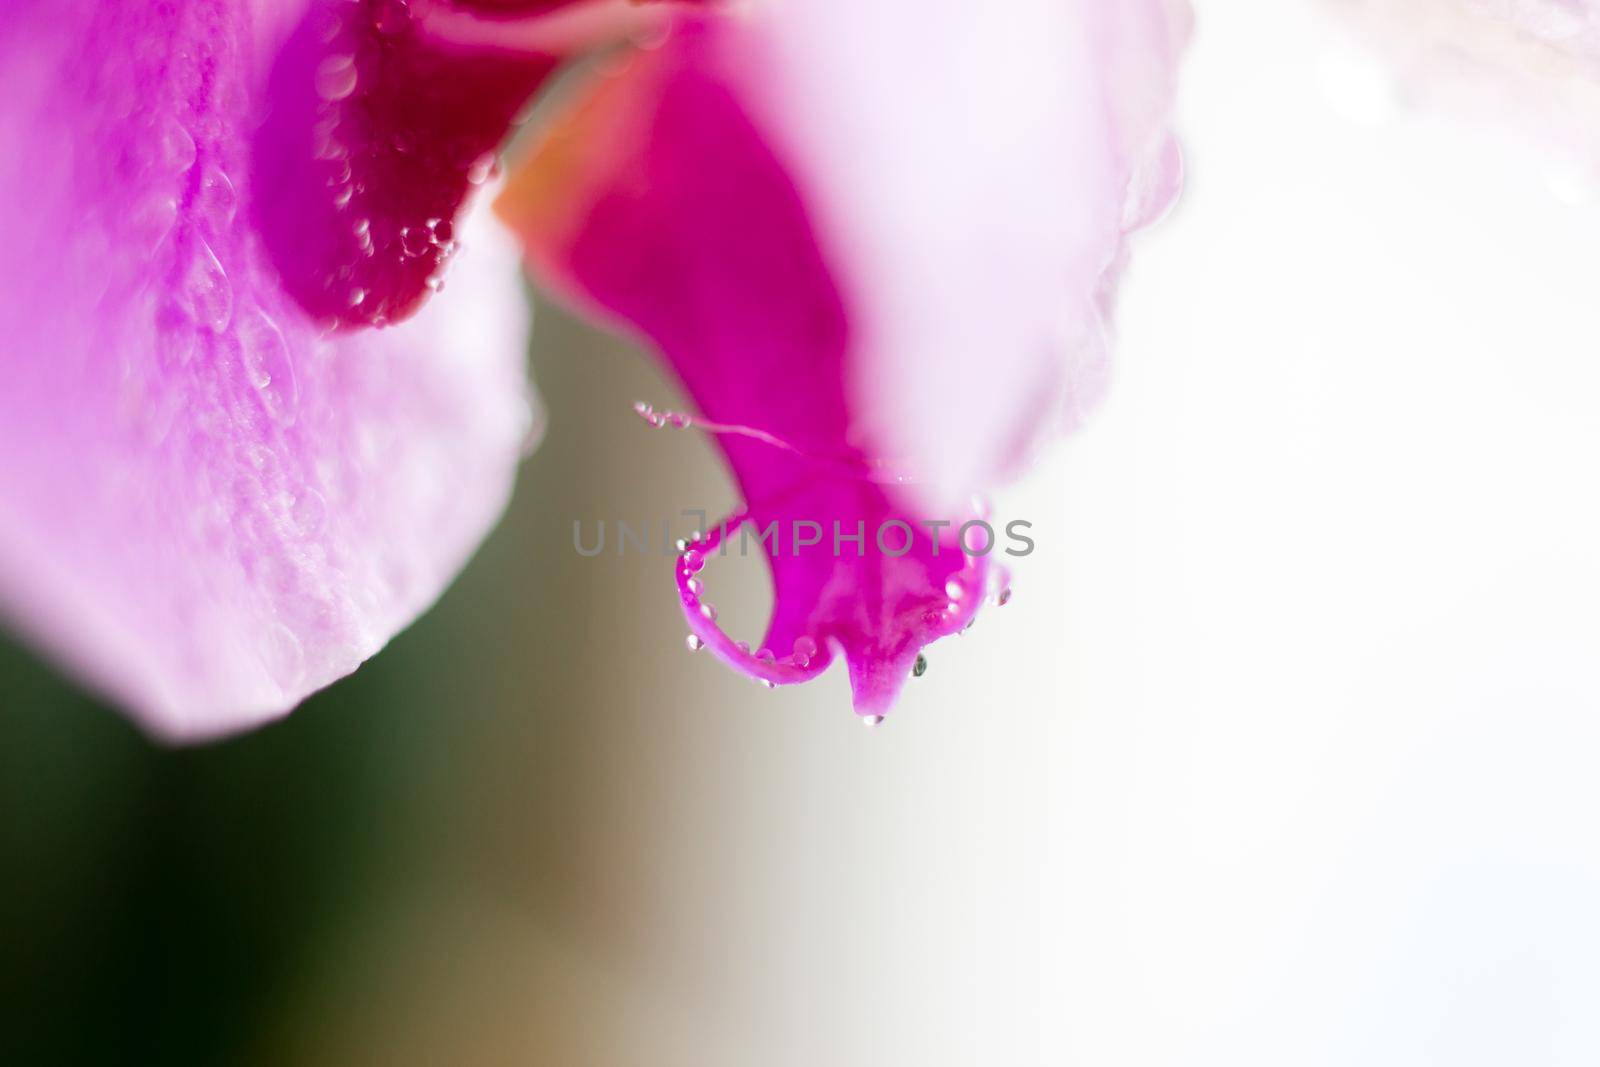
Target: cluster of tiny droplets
(221, 354)
(338, 83)
(691, 560)
(658, 419)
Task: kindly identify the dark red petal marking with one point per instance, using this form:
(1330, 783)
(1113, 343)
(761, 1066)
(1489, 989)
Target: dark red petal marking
(377, 135)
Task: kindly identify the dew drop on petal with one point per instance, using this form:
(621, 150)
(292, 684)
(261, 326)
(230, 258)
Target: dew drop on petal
(804, 649)
(151, 219)
(768, 683)
(919, 668)
(954, 589)
(268, 365)
(282, 655)
(694, 643)
(743, 646)
(216, 200)
(482, 169)
(415, 240)
(336, 77)
(175, 146)
(709, 611)
(871, 720)
(309, 513)
(207, 294)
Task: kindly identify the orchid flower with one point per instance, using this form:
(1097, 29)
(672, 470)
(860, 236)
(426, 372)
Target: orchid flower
(248, 432)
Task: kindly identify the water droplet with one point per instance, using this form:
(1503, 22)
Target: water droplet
(694, 643)
(768, 683)
(804, 649)
(954, 589)
(693, 561)
(483, 169)
(336, 77)
(268, 365)
(532, 419)
(743, 646)
(358, 296)
(309, 513)
(206, 293)
(282, 655)
(872, 720)
(442, 229)
(1004, 598)
(216, 200)
(415, 240)
(695, 586)
(1154, 185)
(151, 219)
(765, 656)
(175, 148)
(325, 142)
(709, 611)
(919, 668)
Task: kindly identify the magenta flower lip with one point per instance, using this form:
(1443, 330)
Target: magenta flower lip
(821, 267)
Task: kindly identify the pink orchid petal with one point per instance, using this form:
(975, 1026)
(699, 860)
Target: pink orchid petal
(972, 171)
(210, 506)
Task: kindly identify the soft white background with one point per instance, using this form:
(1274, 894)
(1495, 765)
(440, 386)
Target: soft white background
(1284, 753)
